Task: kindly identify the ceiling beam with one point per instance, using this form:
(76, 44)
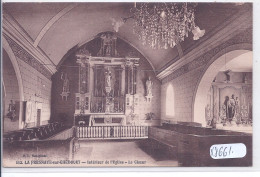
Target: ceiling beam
(50, 23)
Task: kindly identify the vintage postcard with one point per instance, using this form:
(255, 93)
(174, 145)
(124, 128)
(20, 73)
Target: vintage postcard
(127, 84)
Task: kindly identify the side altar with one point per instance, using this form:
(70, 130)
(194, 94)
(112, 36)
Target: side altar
(107, 86)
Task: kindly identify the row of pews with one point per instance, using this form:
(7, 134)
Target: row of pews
(35, 133)
(191, 144)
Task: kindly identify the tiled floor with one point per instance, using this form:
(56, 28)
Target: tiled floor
(121, 153)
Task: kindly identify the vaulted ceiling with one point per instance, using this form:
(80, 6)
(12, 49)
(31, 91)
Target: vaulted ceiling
(57, 27)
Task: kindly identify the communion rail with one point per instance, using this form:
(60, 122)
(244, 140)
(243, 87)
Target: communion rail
(112, 132)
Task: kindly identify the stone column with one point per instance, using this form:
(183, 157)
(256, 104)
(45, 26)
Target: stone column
(123, 80)
(91, 78)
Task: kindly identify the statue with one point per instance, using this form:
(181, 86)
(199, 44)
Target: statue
(228, 74)
(107, 44)
(108, 81)
(11, 111)
(65, 88)
(65, 83)
(149, 85)
(108, 78)
(226, 103)
(230, 107)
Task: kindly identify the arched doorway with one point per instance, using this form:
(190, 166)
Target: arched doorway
(210, 72)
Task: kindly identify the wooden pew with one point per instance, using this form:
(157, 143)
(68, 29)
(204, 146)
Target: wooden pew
(192, 144)
(35, 133)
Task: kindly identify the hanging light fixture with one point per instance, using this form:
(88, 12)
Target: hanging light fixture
(163, 25)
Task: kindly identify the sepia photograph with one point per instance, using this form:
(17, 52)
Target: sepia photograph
(127, 84)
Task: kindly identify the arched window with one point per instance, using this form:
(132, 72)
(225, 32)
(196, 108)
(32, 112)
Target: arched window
(170, 101)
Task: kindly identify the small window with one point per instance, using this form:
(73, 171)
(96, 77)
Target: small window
(170, 101)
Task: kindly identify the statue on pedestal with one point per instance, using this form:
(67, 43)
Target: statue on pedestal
(65, 88)
(65, 84)
(108, 81)
(149, 85)
(108, 78)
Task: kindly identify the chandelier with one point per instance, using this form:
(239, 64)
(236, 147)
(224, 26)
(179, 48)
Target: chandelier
(163, 25)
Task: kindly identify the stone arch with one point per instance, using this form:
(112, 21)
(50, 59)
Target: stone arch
(210, 71)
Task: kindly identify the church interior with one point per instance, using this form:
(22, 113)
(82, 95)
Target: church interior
(137, 84)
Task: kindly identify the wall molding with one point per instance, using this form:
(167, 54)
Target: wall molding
(23, 55)
(14, 31)
(243, 37)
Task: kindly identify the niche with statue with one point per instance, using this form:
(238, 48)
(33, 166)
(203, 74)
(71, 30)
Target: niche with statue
(230, 101)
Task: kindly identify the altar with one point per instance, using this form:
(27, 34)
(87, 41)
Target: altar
(107, 86)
